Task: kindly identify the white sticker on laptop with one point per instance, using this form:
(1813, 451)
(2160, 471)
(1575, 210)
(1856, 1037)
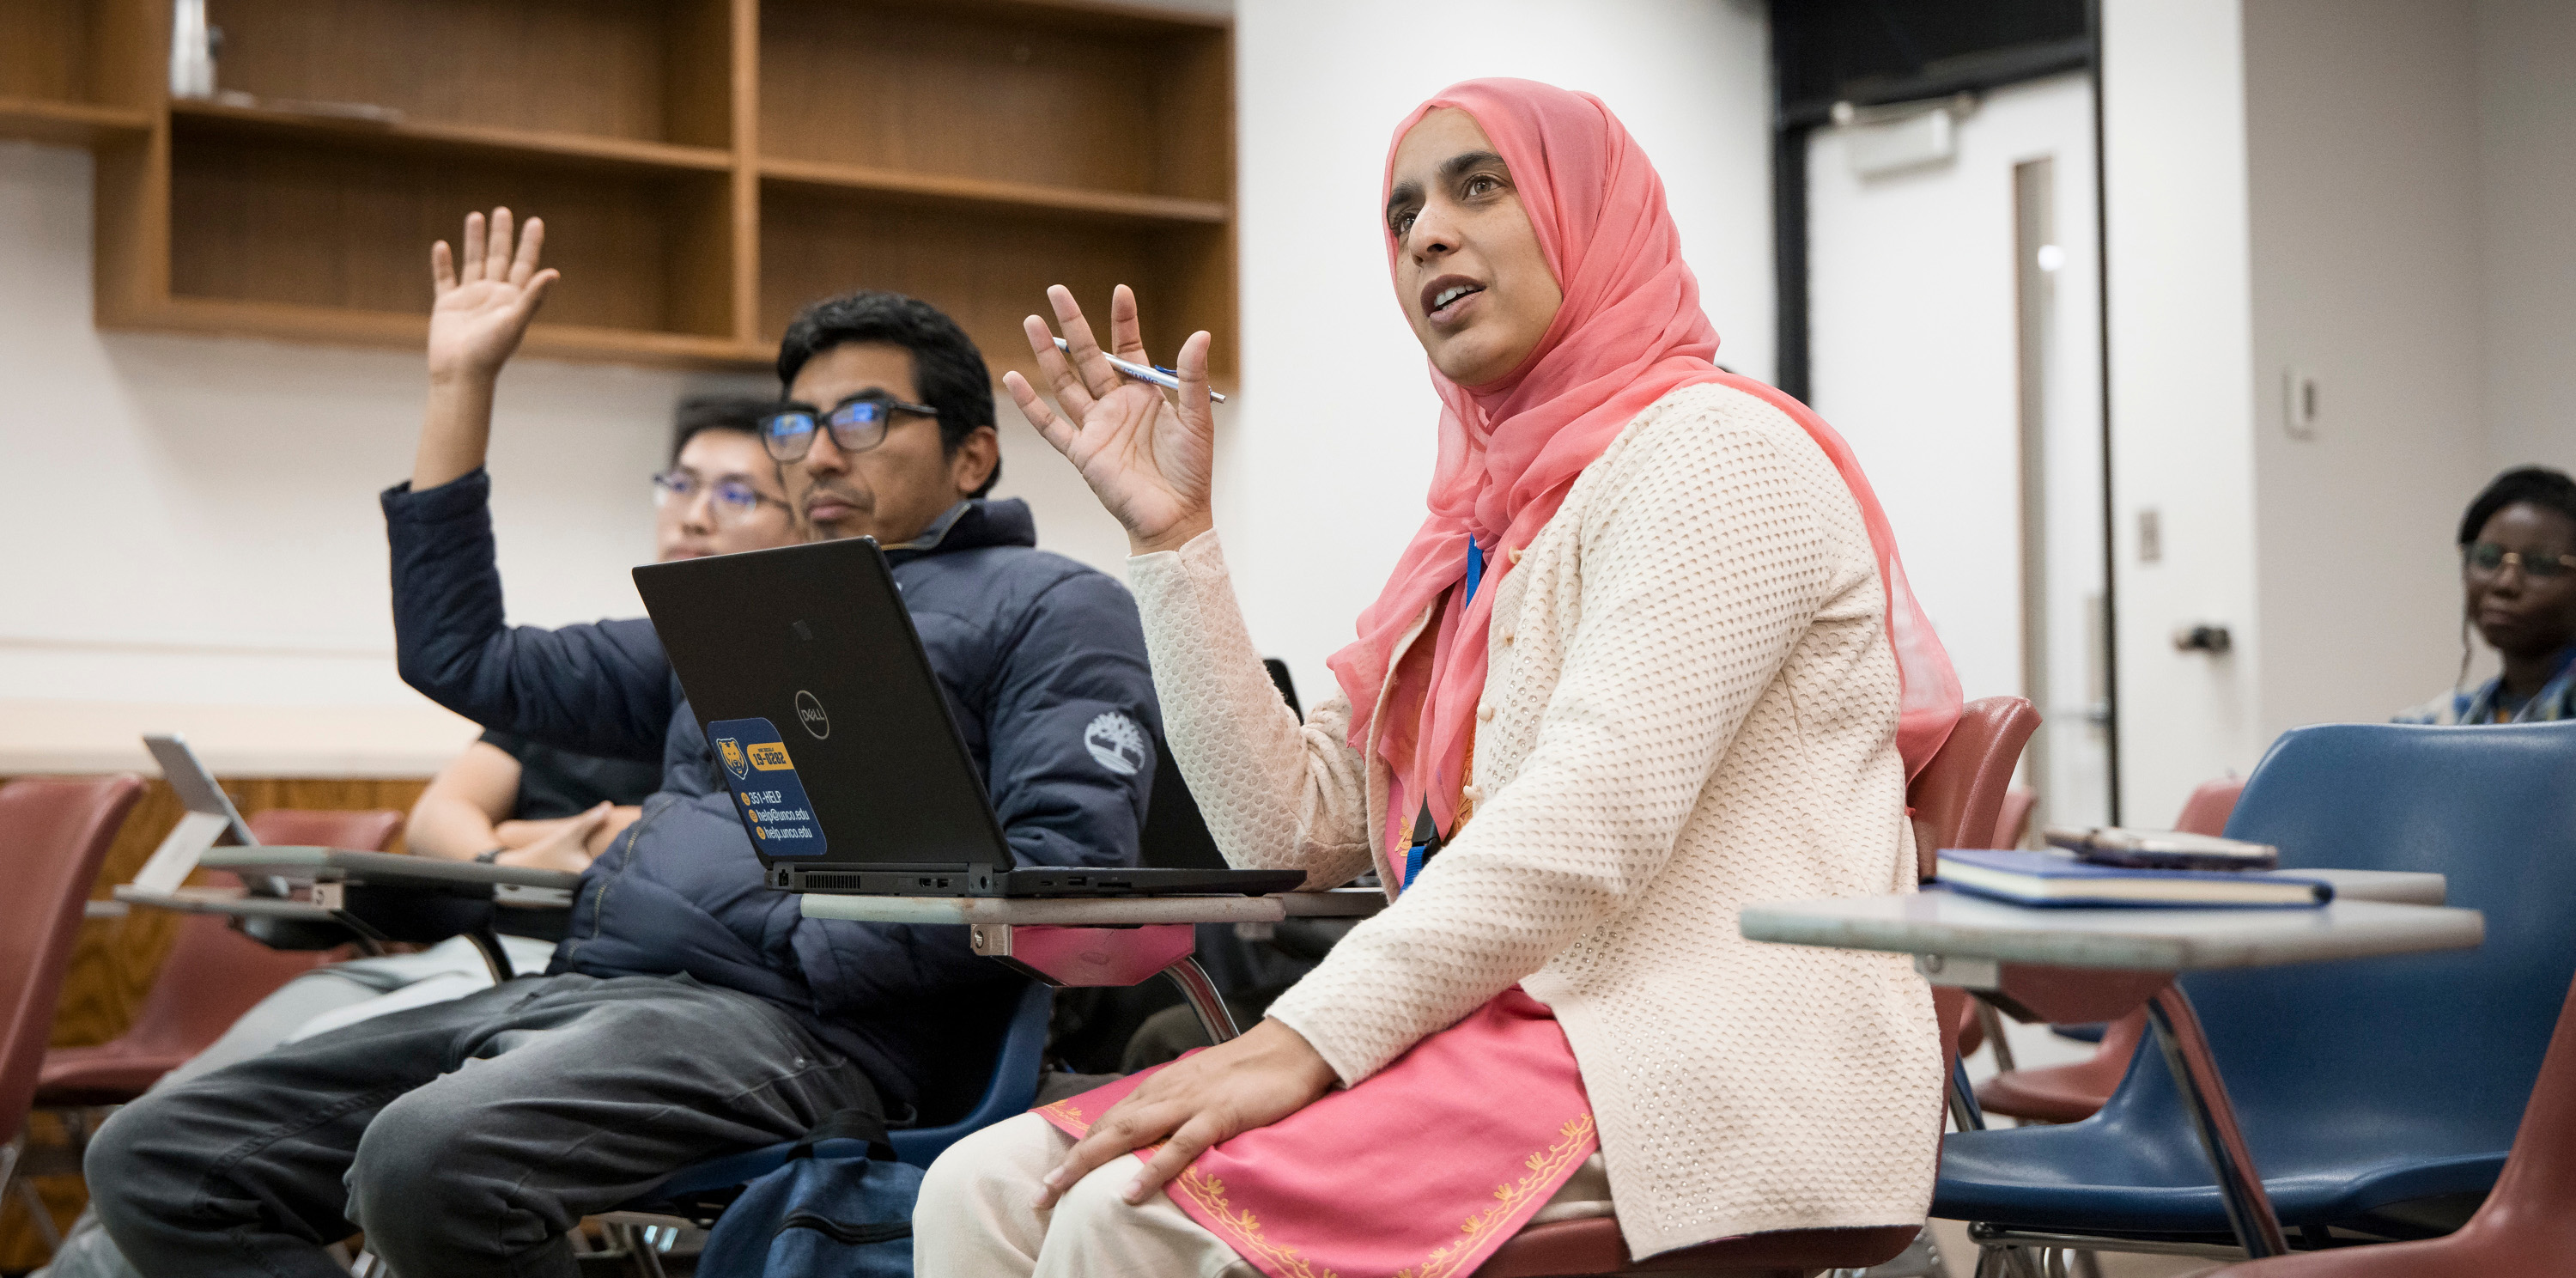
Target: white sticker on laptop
(1116, 743)
(765, 789)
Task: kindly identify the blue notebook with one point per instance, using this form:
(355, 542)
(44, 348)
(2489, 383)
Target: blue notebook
(2053, 879)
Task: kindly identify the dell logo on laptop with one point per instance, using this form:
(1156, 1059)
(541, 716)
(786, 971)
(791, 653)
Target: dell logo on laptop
(809, 712)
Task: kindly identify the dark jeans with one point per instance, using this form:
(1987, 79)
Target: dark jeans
(465, 1137)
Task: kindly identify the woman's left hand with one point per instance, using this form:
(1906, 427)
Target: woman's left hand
(1265, 1075)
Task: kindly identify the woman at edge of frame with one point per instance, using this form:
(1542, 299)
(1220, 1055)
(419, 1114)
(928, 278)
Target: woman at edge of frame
(1650, 657)
(2518, 584)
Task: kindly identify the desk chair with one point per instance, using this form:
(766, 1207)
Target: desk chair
(2074, 1092)
(2370, 1092)
(212, 976)
(54, 832)
(1958, 800)
(2527, 1224)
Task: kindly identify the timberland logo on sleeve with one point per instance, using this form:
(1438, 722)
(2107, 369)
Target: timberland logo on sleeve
(809, 713)
(1116, 742)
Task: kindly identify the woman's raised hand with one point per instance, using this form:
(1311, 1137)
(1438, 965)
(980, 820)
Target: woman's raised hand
(1146, 458)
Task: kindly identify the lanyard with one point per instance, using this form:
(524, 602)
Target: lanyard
(1426, 832)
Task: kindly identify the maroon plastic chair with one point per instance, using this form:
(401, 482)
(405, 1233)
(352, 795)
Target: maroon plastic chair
(2014, 825)
(2527, 1224)
(2071, 1093)
(1958, 802)
(212, 976)
(2209, 806)
(54, 832)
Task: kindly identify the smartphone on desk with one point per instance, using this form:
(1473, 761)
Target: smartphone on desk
(2161, 849)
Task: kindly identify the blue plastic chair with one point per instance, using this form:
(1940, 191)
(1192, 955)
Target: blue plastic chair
(2360, 1085)
(1012, 1089)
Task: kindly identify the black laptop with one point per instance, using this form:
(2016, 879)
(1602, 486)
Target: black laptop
(834, 735)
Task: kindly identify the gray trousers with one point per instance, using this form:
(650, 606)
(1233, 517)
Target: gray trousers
(464, 1137)
(345, 992)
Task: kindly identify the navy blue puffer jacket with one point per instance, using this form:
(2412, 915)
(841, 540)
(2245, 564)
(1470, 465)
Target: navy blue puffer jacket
(1031, 647)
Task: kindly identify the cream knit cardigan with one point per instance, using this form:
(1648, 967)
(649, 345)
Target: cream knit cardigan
(1691, 705)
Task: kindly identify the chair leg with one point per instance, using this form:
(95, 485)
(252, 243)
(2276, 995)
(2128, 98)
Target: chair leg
(10, 1155)
(1992, 1022)
(1203, 998)
(2008, 1260)
(43, 1215)
(2177, 1032)
(1990, 1261)
(495, 959)
(638, 1246)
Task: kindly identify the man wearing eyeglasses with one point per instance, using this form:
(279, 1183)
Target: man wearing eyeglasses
(690, 1012)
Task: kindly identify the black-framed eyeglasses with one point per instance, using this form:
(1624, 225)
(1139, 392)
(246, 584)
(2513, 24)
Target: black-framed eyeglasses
(2486, 559)
(858, 424)
(731, 499)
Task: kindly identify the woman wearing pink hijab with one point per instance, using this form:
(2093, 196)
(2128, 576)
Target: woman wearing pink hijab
(1650, 657)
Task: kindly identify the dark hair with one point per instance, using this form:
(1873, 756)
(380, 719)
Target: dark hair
(946, 367)
(2535, 485)
(714, 412)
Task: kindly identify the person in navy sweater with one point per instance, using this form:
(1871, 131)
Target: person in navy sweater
(690, 1012)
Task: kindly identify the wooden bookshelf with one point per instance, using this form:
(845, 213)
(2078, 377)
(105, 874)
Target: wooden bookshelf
(70, 123)
(705, 167)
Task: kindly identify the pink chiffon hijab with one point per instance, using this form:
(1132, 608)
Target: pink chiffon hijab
(1630, 332)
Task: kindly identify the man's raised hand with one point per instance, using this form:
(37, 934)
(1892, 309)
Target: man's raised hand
(1149, 460)
(482, 311)
(485, 303)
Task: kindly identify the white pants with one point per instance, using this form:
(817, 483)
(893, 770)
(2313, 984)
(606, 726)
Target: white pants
(979, 1216)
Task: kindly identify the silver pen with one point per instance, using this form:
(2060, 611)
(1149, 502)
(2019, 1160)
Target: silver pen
(1162, 377)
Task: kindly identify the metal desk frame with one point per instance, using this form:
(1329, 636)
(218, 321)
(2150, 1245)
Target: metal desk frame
(1102, 941)
(1967, 942)
(319, 880)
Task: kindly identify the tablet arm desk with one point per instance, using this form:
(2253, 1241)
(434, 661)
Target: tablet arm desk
(2016, 955)
(381, 897)
(1102, 941)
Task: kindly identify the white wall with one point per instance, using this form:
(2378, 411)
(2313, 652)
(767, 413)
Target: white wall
(2394, 224)
(196, 540)
(1321, 476)
(2527, 185)
(207, 551)
(2362, 141)
(2181, 377)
